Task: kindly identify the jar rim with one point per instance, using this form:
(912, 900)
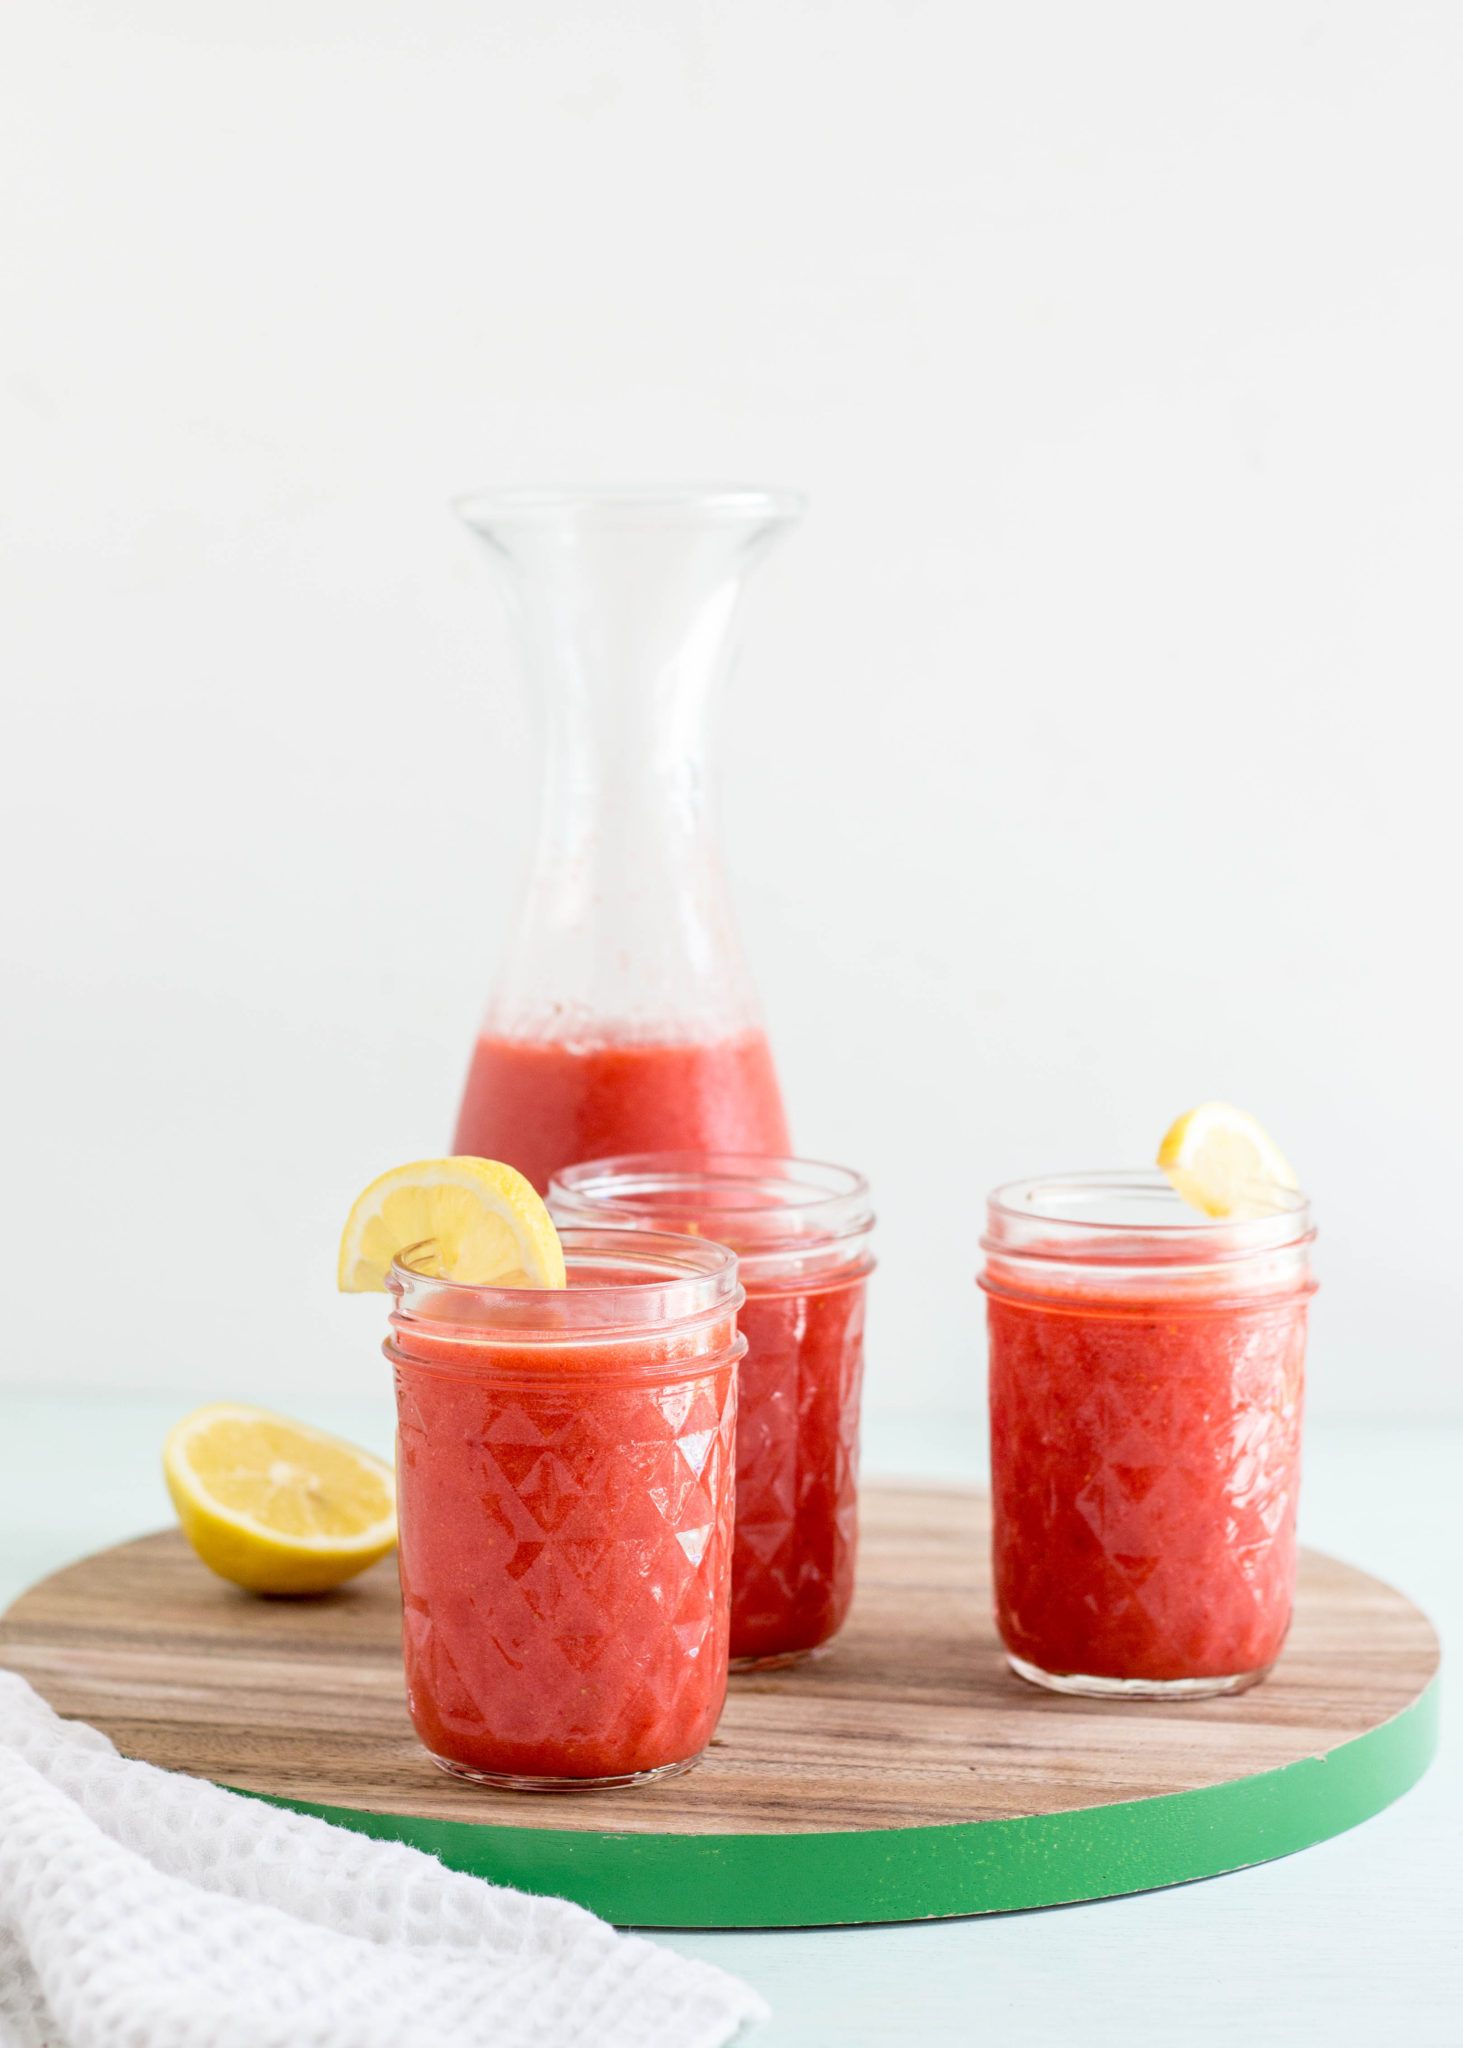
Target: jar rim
(757, 1202)
(665, 1278)
(1134, 1216)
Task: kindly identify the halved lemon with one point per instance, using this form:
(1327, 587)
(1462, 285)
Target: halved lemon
(274, 1505)
(476, 1220)
(1222, 1162)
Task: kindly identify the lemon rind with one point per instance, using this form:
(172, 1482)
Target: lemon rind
(539, 1248)
(1184, 1140)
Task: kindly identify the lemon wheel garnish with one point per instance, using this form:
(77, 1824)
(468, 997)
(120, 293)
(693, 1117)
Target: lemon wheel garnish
(476, 1220)
(274, 1505)
(1222, 1162)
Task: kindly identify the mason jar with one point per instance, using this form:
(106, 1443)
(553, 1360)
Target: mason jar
(801, 1231)
(565, 1467)
(1146, 1369)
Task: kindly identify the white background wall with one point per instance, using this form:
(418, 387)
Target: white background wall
(1094, 748)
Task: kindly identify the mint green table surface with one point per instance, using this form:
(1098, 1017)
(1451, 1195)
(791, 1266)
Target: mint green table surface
(1359, 1940)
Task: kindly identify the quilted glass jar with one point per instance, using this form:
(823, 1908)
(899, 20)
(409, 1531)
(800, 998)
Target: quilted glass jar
(565, 1468)
(801, 1231)
(1146, 1368)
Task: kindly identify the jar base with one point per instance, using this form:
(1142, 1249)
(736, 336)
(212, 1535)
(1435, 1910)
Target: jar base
(779, 1660)
(1134, 1688)
(508, 1781)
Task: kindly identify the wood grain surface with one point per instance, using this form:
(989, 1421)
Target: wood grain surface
(912, 1717)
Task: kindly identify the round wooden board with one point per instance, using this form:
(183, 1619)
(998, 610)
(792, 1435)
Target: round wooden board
(907, 1774)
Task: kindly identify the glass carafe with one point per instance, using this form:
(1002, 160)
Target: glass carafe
(624, 1019)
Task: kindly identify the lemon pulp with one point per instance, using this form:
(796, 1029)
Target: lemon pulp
(1223, 1163)
(275, 1505)
(473, 1220)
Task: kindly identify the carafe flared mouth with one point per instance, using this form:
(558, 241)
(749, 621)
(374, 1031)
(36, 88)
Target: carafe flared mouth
(630, 504)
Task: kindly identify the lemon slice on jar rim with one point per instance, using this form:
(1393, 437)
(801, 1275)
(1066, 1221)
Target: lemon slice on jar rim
(471, 1220)
(1223, 1163)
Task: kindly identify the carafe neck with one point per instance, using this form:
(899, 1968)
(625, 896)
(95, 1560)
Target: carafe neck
(625, 605)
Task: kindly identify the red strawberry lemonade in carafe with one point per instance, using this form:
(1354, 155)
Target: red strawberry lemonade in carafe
(544, 1104)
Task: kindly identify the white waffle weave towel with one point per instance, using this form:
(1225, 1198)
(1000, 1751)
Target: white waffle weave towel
(143, 1909)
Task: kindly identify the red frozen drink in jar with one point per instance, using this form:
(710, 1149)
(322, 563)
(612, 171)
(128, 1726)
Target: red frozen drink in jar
(1145, 1396)
(565, 1483)
(801, 1232)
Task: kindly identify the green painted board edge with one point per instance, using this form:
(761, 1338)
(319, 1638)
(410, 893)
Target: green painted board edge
(922, 1873)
